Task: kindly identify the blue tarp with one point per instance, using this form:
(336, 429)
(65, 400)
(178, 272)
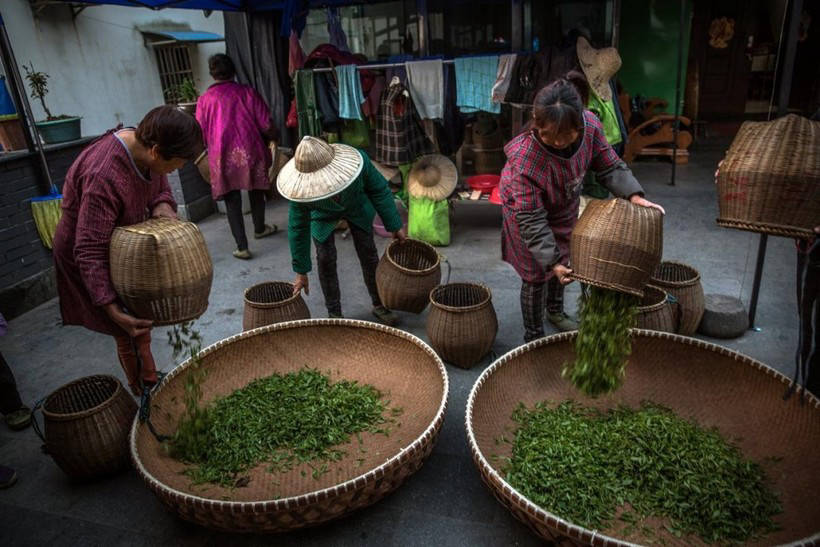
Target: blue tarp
(186, 35)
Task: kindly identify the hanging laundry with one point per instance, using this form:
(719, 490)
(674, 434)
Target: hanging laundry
(475, 78)
(296, 55)
(400, 138)
(374, 96)
(337, 35)
(605, 110)
(425, 80)
(503, 76)
(451, 128)
(327, 100)
(306, 109)
(350, 92)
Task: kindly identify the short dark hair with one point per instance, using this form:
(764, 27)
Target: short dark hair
(176, 133)
(221, 67)
(562, 103)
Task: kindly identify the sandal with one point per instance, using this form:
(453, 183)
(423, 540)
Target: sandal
(19, 419)
(269, 230)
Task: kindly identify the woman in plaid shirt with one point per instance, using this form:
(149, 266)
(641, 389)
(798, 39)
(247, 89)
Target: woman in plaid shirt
(540, 191)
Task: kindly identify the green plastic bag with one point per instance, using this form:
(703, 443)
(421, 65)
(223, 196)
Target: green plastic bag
(355, 133)
(429, 221)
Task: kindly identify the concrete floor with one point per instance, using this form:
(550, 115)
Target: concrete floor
(443, 504)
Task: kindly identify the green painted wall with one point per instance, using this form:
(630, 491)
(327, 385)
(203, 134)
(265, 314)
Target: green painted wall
(648, 45)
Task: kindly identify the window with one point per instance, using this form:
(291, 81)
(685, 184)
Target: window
(174, 63)
(463, 28)
(375, 30)
(552, 21)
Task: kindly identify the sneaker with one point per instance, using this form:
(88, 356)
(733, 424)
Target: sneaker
(243, 254)
(385, 316)
(269, 230)
(562, 321)
(19, 419)
(8, 476)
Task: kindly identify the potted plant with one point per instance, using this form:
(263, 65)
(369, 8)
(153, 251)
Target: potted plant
(54, 128)
(186, 95)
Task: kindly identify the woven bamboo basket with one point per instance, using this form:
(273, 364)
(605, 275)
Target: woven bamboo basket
(682, 282)
(658, 311)
(86, 425)
(616, 245)
(769, 181)
(406, 274)
(462, 323)
(161, 270)
(715, 386)
(393, 361)
(272, 302)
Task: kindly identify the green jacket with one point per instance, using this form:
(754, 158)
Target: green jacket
(358, 204)
(605, 110)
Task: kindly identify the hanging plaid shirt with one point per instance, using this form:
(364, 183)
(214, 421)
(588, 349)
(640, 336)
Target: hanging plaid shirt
(400, 137)
(540, 194)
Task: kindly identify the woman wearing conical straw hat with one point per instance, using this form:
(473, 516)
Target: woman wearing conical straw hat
(326, 183)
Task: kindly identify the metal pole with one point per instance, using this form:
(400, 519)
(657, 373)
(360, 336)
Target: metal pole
(794, 8)
(676, 126)
(21, 100)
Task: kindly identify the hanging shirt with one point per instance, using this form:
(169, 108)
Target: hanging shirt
(350, 92)
(605, 110)
(503, 76)
(425, 81)
(307, 111)
(400, 137)
(475, 78)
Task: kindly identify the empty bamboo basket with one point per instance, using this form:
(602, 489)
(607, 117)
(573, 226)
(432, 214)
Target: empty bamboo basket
(161, 270)
(769, 181)
(272, 302)
(682, 282)
(462, 323)
(616, 245)
(406, 274)
(86, 426)
(658, 311)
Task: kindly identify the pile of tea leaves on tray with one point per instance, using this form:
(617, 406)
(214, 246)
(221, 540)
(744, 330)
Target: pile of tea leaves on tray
(283, 420)
(605, 469)
(603, 343)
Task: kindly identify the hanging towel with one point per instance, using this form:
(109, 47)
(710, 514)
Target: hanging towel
(306, 111)
(337, 35)
(296, 55)
(475, 78)
(503, 76)
(350, 92)
(425, 80)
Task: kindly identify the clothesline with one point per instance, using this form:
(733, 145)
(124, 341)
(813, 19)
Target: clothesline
(377, 66)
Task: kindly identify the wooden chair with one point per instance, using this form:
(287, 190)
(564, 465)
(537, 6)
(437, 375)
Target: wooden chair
(659, 129)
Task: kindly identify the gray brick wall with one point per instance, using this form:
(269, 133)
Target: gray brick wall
(26, 276)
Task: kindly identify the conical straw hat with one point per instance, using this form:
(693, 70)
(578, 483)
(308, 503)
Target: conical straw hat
(432, 177)
(318, 170)
(599, 66)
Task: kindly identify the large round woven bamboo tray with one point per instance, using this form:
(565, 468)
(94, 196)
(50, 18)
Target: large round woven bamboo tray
(400, 365)
(717, 387)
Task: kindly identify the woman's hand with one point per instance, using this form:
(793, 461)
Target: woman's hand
(562, 274)
(163, 210)
(400, 234)
(300, 283)
(131, 325)
(643, 202)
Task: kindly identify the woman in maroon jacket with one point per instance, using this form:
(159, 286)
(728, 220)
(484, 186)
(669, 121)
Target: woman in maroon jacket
(118, 180)
(540, 190)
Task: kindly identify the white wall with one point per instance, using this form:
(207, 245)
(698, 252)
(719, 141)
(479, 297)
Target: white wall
(99, 66)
